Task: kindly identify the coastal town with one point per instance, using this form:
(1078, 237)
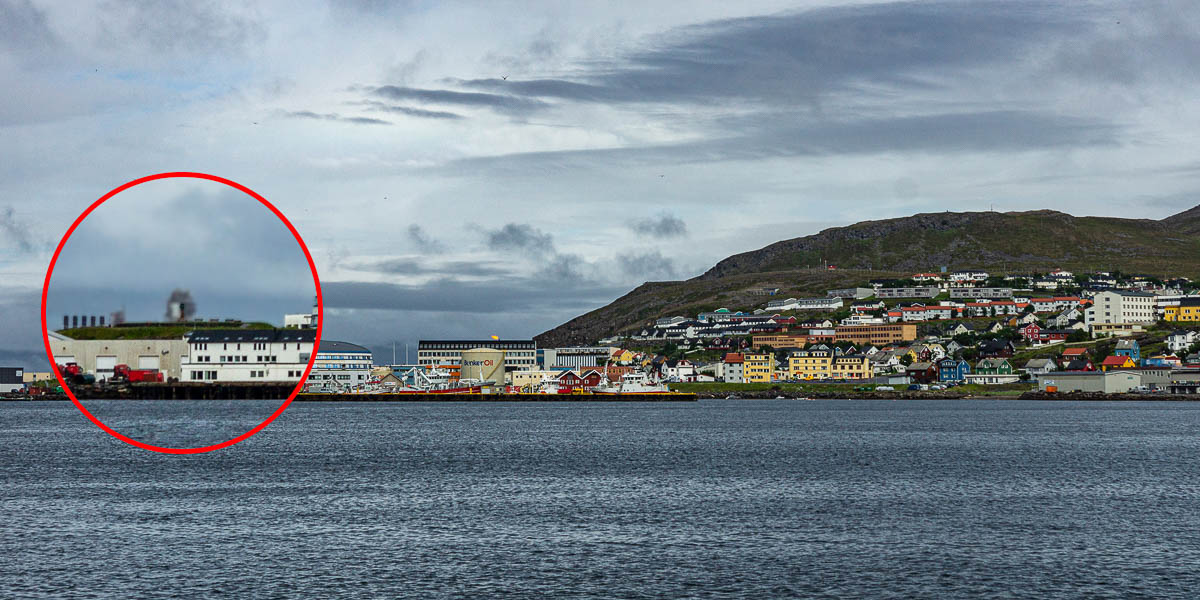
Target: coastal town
(1057, 332)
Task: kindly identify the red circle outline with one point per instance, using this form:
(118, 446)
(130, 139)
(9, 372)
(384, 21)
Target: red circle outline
(316, 342)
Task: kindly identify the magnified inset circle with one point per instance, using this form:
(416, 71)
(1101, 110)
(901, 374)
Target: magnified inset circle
(301, 377)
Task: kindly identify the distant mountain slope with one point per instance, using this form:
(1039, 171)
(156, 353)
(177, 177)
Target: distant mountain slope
(1012, 241)
(998, 242)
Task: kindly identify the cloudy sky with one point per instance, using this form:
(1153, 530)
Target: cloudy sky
(468, 169)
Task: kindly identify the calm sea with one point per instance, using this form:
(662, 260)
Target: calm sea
(731, 499)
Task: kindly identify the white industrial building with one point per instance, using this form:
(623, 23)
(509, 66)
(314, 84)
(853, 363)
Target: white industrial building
(250, 355)
(100, 357)
(340, 365)
(307, 320)
(578, 357)
(519, 355)
(1108, 382)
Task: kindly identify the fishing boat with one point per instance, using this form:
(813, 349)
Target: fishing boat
(633, 383)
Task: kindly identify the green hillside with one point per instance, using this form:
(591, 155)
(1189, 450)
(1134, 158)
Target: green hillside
(1001, 243)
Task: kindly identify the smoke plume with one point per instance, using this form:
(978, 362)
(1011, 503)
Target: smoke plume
(180, 306)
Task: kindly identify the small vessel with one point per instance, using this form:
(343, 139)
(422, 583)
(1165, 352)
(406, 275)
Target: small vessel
(632, 383)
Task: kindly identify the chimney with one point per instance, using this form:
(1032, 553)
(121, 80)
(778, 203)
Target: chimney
(74, 321)
(66, 322)
(102, 320)
(93, 320)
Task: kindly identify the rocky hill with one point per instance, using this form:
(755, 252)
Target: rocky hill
(1013, 242)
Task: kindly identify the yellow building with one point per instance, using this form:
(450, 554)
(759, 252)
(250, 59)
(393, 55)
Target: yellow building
(1188, 310)
(758, 368)
(851, 366)
(810, 364)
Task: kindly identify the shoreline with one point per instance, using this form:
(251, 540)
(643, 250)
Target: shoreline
(674, 397)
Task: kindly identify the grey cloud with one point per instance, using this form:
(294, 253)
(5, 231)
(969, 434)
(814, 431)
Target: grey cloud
(789, 58)
(408, 266)
(423, 241)
(495, 101)
(306, 114)
(779, 135)
(647, 266)
(30, 360)
(415, 112)
(179, 26)
(663, 225)
(521, 237)
(483, 297)
(24, 30)
(14, 230)
(563, 268)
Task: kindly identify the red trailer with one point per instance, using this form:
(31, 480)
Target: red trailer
(124, 373)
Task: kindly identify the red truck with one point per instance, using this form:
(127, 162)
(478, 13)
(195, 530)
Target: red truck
(73, 373)
(124, 373)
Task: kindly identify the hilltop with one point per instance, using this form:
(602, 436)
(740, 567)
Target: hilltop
(1011, 242)
(154, 331)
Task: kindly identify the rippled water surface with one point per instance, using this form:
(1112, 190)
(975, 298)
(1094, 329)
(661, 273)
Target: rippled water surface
(714, 499)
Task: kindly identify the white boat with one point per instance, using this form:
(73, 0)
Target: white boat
(632, 383)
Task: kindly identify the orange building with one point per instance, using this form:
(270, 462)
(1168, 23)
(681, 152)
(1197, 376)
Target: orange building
(877, 335)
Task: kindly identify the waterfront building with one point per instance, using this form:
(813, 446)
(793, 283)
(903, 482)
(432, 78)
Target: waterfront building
(341, 365)
(950, 369)
(1108, 382)
(247, 355)
(100, 357)
(307, 320)
(921, 372)
(518, 354)
(813, 363)
(12, 379)
(851, 366)
(574, 357)
(758, 368)
(733, 368)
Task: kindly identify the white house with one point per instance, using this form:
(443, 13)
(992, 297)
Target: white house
(247, 355)
(1181, 340)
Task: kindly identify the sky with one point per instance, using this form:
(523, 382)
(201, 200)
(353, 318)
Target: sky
(476, 169)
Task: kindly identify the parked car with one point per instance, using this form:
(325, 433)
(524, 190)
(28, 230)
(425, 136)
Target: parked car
(914, 387)
(884, 388)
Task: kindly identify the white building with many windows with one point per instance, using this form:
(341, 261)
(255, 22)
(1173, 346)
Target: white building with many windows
(518, 354)
(1120, 306)
(340, 365)
(249, 355)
